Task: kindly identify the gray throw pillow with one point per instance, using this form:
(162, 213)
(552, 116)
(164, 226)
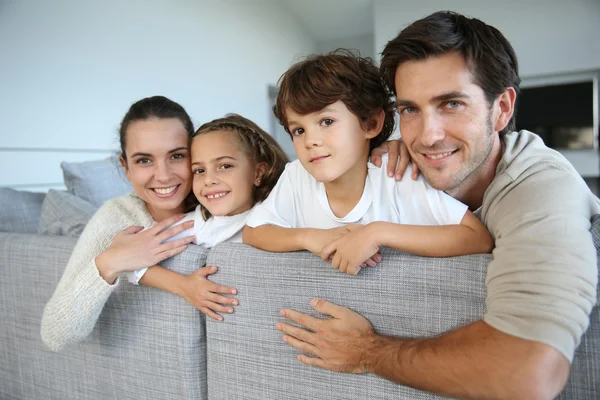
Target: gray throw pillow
(64, 214)
(96, 181)
(20, 210)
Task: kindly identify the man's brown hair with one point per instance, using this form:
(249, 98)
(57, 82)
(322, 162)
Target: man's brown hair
(322, 79)
(488, 54)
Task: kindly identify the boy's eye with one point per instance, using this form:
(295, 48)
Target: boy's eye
(198, 171)
(143, 160)
(297, 131)
(326, 121)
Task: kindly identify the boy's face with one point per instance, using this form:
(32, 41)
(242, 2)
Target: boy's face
(330, 143)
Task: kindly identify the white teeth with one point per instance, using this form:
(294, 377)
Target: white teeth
(437, 156)
(165, 190)
(216, 196)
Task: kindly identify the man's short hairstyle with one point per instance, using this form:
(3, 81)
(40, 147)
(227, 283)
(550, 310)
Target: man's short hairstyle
(489, 56)
(323, 79)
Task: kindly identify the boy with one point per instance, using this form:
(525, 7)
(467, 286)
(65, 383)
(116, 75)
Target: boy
(331, 201)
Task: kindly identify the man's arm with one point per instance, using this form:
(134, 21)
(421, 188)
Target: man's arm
(470, 362)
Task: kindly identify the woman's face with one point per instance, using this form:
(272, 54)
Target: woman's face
(158, 164)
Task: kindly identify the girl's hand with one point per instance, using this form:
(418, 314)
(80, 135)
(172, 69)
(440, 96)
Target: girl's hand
(349, 252)
(395, 149)
(204, 294)
(131, 249)
(317, 240)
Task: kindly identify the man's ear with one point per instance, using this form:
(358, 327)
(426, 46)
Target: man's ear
(375, 124)
(260, 170)
(504, 108)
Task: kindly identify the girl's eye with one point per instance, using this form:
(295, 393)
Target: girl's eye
(226, 166)
(197, 171)
(297, 131)
(326, 121)
(142, 160)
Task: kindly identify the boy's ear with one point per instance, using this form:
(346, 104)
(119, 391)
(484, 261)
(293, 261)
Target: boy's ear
(375, 124)
(261, 168)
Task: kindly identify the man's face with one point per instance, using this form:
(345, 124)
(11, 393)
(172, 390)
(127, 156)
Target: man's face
(445, 119)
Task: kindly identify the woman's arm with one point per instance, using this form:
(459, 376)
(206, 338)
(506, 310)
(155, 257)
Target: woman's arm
(196, 289)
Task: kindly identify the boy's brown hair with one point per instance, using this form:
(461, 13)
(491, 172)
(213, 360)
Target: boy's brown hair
(322, 79)
(258, 146)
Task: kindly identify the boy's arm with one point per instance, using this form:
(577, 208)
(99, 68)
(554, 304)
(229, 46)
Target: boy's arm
(363, 241)
(280, 239)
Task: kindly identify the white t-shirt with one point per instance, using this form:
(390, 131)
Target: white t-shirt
(300, 201)
(208, 233)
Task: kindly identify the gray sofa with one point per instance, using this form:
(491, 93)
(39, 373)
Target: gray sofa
(152, 345)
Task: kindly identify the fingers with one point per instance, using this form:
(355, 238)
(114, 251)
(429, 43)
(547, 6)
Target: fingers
(377, 153)
(370, 262)
(327, 308)
(175, 243)
(216, 307)
(301, 318)
(172, 231)
(296, 332)
(328, 250)
(168, 253)
(314, 361)
(131, 230)
(218, 299)
(216, 288)
(415, 171)
(165, 223)
(393, 157)
(210, 313)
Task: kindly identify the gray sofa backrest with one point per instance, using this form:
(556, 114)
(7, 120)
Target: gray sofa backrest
(405, 295)
(147, 344)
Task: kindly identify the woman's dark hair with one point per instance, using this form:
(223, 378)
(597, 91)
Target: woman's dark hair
(258, 145)
(488, 54)
(162, 108)
(322, 79)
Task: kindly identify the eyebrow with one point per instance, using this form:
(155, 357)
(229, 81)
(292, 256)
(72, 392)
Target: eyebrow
(216, 159)
(321, 111)
(139, 154)
(436, 99)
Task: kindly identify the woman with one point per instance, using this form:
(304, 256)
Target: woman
(154, 138)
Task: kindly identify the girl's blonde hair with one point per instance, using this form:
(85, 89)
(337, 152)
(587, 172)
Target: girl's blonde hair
(258, 145)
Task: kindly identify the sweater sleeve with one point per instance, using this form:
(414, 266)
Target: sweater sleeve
(542, 281)
(81, 293)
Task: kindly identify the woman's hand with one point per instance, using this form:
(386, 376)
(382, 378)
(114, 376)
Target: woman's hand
(131, 249)
(205, 295)
(397, 150)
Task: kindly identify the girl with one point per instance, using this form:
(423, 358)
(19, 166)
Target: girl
(235, 164)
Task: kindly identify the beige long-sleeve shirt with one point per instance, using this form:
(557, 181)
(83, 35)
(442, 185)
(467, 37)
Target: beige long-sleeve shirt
(542, 281)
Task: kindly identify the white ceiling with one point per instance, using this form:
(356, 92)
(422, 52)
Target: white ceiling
(334, 19)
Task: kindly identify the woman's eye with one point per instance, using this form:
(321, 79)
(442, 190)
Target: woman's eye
(326, 121)
(297, 131)
(142, 161)
(178, 156)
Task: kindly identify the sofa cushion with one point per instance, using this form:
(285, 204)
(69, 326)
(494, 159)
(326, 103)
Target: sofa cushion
(20, 210)
(64, 214)
(96, 181)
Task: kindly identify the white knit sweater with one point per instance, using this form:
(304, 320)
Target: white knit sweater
(73, 310)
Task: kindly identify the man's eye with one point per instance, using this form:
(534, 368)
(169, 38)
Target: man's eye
(453, 104)
(297, 131)
(408, 110)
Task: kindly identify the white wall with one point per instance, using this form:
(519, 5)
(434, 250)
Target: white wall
(553, 39)
(365, 44)
(70, 70)
(549, 36)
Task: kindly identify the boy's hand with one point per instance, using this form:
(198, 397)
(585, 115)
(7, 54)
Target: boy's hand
(320, 238)
(207, 296)
(352, 249)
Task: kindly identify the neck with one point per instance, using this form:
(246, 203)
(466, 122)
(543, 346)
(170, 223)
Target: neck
(471, 190)
(345, 192)
(159, 215)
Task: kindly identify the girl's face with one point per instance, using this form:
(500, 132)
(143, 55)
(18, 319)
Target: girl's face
(224, 176)
(158, 164)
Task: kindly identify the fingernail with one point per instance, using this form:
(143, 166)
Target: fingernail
(235, 302)
(234, 291)
(278, 327)
(285, 339)
(314, 302)
(282, 312)
(230, 310)
(390, 174)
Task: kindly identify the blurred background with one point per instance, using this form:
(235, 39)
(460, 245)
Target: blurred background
(69, 70)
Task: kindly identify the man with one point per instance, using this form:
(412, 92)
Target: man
(456, 81)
